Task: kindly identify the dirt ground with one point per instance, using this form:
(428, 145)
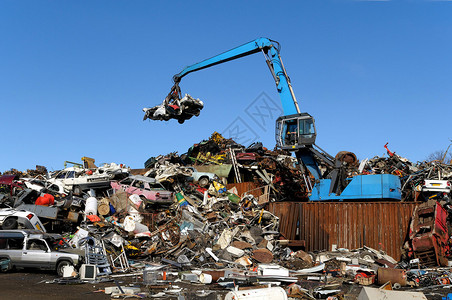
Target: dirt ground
(36, 285)
(32, 284)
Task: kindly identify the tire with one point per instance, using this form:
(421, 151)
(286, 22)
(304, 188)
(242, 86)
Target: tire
(367, 255)
(7, 268)
(203, 181)
(10, 223)
(61, 265)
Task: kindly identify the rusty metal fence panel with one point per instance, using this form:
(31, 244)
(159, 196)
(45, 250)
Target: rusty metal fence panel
(380, 225)
(246, 187)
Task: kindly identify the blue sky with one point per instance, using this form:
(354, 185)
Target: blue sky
(75, 75)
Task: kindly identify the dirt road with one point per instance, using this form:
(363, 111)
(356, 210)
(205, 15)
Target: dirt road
(31, 284)
(35, 284)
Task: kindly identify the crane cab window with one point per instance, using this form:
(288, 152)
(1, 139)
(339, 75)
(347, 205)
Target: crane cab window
(295, 131)
(306, 128)
(291, 130)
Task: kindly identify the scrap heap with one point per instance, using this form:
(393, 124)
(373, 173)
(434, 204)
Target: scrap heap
(233, 163)
(201, 217)
(413, 176)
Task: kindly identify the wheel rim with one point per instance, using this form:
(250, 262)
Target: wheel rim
(203, 181)
(8, 267)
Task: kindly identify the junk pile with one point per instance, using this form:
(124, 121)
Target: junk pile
(188, 219)
(420, 181)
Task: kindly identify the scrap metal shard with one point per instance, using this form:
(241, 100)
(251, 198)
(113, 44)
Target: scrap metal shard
(263, 256)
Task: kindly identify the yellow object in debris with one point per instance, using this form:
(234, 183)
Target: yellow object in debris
(219, 187)
(88, 162)
(260, 217)
(132, 251)
(216, 159)
(216, 137)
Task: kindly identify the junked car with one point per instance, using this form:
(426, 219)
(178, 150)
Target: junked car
(41, 185)
(78, 179)
(8, 184)
(174, 108)
(202, 178)
(438, 186)
(146, 187)
(36, 249)
(11, 218)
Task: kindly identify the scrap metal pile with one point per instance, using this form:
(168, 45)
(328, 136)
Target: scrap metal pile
(420, 181)
(233, 163)
(415, 178)
(183, 217)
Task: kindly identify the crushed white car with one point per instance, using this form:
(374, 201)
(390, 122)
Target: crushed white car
(180, 109)
(77, 179)
(11, 218)
(437, 186)
(42, 185)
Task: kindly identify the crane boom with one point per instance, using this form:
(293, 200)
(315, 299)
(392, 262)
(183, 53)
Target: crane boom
(270, 49)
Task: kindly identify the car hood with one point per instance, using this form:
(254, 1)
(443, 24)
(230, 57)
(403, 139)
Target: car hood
(73, 251)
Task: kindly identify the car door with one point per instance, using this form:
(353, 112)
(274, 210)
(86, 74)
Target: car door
(148, 192)
(36, 254)
(15, 246)
(69, 179)
(123, 185)
(135, 187)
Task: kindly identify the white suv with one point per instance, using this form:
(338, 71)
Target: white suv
(36, 249)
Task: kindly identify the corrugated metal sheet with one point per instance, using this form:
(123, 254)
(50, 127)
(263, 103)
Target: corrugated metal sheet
(379, 225)
(247, 187)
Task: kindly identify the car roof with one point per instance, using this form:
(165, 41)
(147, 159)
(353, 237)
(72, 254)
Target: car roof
(143, 178)
(22, 231)
(30, 232)
(15, 210)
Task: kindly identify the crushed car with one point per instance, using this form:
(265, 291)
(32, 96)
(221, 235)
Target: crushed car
(202, 178)
(147, 188)
(11, 218)
(175, 108)
(79, 179)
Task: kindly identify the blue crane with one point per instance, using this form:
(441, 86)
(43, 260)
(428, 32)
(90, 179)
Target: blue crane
(295, 131)
(270, 49)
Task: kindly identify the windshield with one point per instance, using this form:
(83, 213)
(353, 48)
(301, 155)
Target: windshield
(57, 243)
(306, 127)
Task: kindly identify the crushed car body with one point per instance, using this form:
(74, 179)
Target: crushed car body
(174, 108)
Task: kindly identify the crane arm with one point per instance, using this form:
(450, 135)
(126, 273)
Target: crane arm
(270, 49)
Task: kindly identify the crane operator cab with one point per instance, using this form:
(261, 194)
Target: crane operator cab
(295, 131)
